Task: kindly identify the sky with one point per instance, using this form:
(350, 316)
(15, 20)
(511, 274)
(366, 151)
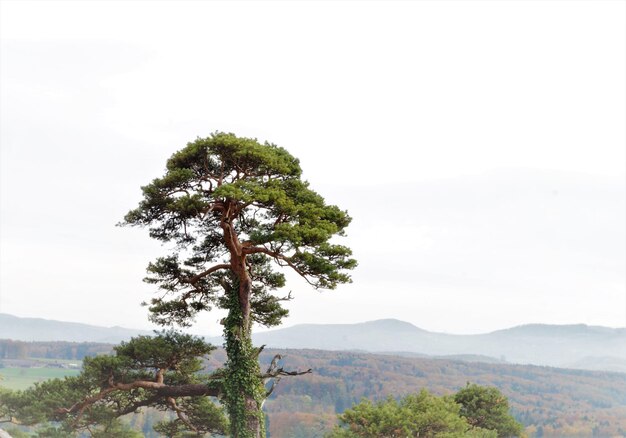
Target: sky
(478, 145)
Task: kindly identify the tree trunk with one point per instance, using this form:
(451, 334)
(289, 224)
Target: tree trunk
(244, 389)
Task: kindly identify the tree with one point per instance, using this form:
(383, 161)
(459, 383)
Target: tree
(160, 372)
(235, 208)
(7, 412)
(487, 408)
(417, 415)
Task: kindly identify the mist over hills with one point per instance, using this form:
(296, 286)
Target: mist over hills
(39, 329)
(567, 346)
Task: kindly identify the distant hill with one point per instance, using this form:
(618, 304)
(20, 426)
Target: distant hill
(37, 329)
(585, 347)
(568, 346)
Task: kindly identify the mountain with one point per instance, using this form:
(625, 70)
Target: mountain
(37, 329)
(585, 347)
(367, 336)
(569, 346)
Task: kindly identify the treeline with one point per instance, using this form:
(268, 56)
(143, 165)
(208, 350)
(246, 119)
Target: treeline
(10, 349)
(548, 401)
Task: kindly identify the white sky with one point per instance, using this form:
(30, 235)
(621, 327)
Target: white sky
(479, 147)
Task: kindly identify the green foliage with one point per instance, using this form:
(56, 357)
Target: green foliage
(5, 410)
(108, 388)
(39, 404)
(255, 188)
(175, 355)
(419, 415)
(170, 350)
(115, 429)
(17, 433)
(207, 418)
(53, 432)
(487, 408)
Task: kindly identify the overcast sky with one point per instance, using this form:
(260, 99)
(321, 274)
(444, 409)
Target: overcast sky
(478, 146)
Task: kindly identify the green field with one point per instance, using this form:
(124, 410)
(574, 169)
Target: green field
(22, 378)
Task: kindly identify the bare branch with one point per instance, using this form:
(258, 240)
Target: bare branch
(274, 372)
(270, 390)
(274, 364)
(282, 372)
(259, 350)
(289, 297)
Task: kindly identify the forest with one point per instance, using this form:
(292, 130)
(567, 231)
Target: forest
(547, 401)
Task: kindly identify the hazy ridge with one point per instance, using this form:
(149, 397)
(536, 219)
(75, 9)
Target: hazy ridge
(568, 346)
(39, 329)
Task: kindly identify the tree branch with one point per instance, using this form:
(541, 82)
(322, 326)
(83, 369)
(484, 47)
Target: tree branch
(140, 404)
(161, 390)
(282, 372)
(278, 257)
(270, 390)
(211, 270)
(180, 414)
(275, 372)
(215, 206)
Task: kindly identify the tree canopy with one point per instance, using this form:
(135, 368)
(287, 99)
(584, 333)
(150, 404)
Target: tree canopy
(236, 209)
(487, 408)
(161, 372)
(429, 416)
